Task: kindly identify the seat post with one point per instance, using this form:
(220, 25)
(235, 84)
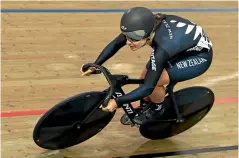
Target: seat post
(169, 90)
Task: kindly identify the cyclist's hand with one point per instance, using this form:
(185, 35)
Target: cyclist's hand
(111, 107)
(86, 70)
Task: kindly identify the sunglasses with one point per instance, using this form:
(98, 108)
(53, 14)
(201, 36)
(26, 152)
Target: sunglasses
(134, 36)
(131, 39)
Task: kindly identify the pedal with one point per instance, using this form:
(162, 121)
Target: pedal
(126, 121)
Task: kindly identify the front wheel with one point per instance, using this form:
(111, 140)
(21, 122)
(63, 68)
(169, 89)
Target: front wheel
(72, 121)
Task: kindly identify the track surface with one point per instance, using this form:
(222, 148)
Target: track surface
(42, 53)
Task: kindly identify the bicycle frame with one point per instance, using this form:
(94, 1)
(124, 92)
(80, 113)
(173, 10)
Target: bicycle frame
(118, 82)
(115, 90)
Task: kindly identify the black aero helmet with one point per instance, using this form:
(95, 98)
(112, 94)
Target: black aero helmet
(137, 23)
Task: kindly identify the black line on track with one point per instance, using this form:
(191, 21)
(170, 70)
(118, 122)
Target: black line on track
(184, 152)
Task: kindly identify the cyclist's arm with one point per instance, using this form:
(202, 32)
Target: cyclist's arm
(150, 81)
(111, 49)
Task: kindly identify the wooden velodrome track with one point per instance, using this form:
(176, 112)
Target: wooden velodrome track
(41, 58)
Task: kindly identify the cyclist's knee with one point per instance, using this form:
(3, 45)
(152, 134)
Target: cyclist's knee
(158, 94)
(164, 79)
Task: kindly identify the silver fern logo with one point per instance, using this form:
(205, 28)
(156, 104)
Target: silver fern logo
(189, 28)
(203, 42)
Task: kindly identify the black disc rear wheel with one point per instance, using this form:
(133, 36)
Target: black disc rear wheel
(194, 104)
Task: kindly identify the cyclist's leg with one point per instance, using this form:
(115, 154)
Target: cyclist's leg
(185, 67)
(159, 92)
(190, 66)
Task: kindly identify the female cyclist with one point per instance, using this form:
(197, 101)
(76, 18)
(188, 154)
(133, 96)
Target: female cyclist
(180, 51)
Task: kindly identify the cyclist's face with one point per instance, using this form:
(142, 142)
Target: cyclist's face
(134, 45)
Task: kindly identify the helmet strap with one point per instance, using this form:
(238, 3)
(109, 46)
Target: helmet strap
(150, 38)
(145, 43)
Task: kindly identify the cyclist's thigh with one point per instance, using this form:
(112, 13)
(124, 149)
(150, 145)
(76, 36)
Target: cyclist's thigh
(189, 66)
